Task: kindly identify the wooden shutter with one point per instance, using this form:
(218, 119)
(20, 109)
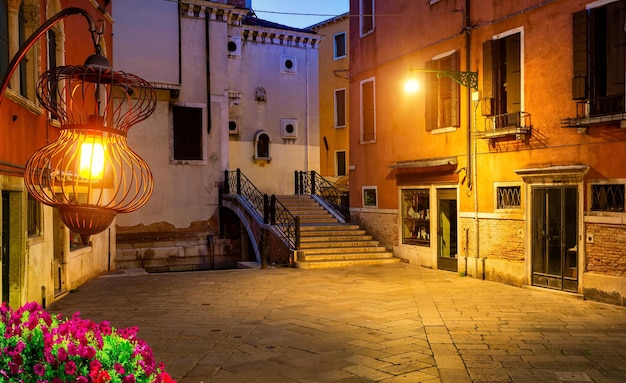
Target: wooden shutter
(579, 81)
(487, 102)
(513, 74)
(430, 95)
(340, 107)
(368, 115)
(454, 92)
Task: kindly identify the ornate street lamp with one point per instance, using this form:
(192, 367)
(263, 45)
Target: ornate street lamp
(90, 174)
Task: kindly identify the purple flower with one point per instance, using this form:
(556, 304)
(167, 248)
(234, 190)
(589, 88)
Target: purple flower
(70, 367)
(39, 369)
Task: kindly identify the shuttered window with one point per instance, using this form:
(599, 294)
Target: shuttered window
(366, 16)
(442, 94)
(368, 111)
(502, 75)
(600, 58)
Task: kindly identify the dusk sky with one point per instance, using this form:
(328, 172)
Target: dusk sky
(300, 13)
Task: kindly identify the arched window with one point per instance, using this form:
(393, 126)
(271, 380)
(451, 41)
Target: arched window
(262, 144)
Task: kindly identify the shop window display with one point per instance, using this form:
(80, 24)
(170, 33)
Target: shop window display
(416, 217)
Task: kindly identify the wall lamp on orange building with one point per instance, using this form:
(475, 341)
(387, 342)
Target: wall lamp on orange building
(89, 173)
(466, 79)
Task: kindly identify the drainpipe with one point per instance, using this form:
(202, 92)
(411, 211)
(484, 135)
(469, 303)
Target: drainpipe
(471, 157)
(308, 97)
(208, 69)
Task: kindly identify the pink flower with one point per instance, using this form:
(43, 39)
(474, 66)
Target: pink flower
(39, 369)
(70, 367)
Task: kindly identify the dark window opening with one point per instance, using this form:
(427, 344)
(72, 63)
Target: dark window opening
(340, 107)
(340, 45)
(341, 163)
(34, 217)
(187, 133)
(263, 146)
(367, 16)
(368, 113)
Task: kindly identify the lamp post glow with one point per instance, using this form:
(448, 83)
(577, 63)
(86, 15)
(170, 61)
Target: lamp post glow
(411, 86)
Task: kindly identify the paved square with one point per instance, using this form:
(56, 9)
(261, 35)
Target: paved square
(390, 323)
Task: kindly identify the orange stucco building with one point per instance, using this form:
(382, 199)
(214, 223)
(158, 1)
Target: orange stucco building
(41, 259)
(504, 164)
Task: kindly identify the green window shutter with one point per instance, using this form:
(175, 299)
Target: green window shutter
(579, 82)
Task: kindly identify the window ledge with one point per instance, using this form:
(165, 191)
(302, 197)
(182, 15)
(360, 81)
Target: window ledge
(23, 102)
(258, 159)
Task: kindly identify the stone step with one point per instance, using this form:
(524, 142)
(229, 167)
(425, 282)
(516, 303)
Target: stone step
(332, 233)
(327, 264)
(342, 250)
(331, 228)
(337, 237)
(344, 256)
(337, 244)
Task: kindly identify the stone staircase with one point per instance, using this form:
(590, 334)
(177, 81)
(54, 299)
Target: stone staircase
(325, 242)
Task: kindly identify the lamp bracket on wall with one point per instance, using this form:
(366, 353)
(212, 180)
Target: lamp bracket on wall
(466, 79)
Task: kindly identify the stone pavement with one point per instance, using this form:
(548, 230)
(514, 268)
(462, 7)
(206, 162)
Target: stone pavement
(389, 323)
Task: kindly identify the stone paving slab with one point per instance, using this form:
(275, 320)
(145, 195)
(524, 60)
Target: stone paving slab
(390, 323)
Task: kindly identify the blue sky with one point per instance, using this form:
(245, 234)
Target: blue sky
(299, 13)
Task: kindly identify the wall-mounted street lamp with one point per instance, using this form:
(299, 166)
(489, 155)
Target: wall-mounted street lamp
(466, 79)
(89, 173)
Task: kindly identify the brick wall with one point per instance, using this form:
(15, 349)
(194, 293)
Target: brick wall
(499, 238)
(606, 254)
(382, 226)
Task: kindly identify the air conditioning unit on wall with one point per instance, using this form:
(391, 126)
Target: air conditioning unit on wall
(234, 47)
(289, 128)
(288, 64)
(233, 127)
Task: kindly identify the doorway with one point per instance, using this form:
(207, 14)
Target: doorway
(555, 238)
(447, 227)
(6, 236)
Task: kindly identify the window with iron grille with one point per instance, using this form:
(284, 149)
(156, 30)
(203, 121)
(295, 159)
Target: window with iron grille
(509, 197)
(607, 197)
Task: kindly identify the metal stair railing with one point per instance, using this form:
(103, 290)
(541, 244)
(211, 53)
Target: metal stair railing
(270, 208)
(313, 183)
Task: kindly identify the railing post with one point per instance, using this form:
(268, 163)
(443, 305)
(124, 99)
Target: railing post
(313, 182)
(295, 182)
(266, 209)
(346, 206)
(297, 239)
(238, 181)
(301, 182)
(273, 210)
(226, 183)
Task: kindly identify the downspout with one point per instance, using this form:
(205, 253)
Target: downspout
(180, 41)
(471, 157)
(308, 97)
(208, 69)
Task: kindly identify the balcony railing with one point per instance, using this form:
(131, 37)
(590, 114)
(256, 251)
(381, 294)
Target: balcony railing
(516, 124)
(597, 111)
(272, 211)
(313, 183)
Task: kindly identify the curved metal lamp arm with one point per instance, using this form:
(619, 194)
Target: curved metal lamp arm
(37, 34)
(466, 79)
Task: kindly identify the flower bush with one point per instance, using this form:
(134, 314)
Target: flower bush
(38, 347)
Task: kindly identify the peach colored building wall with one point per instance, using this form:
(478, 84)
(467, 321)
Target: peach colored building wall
(539, 155)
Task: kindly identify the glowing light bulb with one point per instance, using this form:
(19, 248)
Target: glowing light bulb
(92, 160)
(411, 86)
